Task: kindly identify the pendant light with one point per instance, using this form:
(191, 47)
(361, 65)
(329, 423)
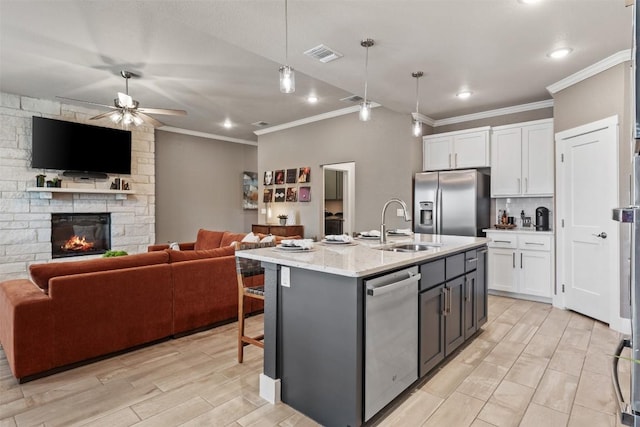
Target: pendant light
(287, 74)
(417, 124)
(365, 107)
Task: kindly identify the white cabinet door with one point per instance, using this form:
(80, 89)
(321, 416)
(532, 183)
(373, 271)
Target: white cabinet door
(506, 156)
(522, 161)
(535, 273)
(436, 152)
(471, 150)
(501, 272)
(537, 160)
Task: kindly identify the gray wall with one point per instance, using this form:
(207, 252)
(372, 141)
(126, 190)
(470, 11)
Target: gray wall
(199, 185)
(385, 153)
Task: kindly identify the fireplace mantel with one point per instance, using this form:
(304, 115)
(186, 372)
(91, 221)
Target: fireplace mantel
(47, 192)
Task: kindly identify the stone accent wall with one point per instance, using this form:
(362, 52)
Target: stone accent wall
(25, 218)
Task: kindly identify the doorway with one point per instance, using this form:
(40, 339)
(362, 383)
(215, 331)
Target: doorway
(338, 198)
(588, 238)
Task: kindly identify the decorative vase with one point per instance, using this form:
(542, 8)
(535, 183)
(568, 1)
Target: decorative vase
(283, 221)
(40, 180)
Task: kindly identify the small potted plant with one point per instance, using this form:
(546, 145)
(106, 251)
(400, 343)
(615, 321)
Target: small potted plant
(40, 180)
(283, 219)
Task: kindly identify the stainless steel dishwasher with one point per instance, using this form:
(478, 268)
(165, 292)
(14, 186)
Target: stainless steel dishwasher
(391, 337)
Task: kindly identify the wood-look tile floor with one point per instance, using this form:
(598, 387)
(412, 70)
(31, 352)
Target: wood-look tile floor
(532, 365)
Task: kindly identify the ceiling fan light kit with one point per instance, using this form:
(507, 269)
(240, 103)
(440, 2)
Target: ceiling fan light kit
(365, 106)
(126, 110)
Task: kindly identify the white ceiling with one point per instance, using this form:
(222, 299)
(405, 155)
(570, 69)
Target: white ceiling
(219, 59)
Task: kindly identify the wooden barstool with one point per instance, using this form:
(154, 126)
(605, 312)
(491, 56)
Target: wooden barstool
(250, 275)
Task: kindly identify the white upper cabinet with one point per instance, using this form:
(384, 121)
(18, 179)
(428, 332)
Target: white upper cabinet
(522, 159)
(456, 150)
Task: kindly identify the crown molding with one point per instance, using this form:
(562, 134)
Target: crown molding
(423, 119)
(312, 119)
(493, 113)
(207, 135)
(590, 71)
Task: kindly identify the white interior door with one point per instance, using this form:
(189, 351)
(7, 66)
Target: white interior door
(587, 175)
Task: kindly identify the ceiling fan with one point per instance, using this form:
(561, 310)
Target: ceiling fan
(126, 109)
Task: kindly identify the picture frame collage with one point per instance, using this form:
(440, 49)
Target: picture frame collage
(282, 185)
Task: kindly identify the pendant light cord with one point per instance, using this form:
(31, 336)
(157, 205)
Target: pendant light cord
(286, 34)
(366, 74)
(417, 97)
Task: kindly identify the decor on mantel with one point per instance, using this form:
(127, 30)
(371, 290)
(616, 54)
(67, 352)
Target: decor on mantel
(287, 74)
(365, 107)
(40, 180)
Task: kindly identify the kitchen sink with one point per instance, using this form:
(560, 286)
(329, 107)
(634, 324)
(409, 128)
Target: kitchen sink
(410, 247)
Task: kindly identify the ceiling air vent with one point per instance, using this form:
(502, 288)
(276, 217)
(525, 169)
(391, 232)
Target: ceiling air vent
(352, 98)
(260, 124)
(323, 53)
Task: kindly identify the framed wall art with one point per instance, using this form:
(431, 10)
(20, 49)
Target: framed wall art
(304, 194)
(249, 190)
(279, 177)
(268, 177)
(304, 175)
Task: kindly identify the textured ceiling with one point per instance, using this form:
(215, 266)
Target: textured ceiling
(219, 59)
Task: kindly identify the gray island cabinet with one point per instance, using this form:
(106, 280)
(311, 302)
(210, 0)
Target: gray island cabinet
(350, 327)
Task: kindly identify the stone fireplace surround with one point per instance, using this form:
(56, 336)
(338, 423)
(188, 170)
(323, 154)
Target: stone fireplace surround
(25, 218)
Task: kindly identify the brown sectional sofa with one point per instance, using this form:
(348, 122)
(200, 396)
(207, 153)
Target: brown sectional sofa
(71, 312)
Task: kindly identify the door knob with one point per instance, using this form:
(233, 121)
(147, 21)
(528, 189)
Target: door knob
(602, 235)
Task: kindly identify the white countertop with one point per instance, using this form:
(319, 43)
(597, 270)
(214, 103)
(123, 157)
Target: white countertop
(525, 230)
(363, 258)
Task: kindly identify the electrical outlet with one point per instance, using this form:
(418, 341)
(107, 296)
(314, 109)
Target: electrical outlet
(399, 212)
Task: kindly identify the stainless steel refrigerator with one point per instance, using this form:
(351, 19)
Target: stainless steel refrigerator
(629, 412)
(453, 202)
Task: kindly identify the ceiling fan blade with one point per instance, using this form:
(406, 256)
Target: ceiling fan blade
(163, 111)
(148, 119)
(103, 115)
(87, 102)
(125, 100)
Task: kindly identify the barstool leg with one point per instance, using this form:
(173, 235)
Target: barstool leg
(240, 327)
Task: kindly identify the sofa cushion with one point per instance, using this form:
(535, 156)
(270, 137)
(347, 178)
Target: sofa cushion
(178, 256)
(229, 237)
(41, 273)
(251, 238)
(208, 239)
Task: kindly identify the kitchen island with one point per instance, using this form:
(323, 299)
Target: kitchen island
(331, 350)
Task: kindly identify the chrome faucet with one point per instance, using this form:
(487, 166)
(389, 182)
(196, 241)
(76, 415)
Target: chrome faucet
(383, 228)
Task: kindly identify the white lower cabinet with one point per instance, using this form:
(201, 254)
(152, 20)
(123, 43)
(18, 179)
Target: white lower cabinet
(521, 263)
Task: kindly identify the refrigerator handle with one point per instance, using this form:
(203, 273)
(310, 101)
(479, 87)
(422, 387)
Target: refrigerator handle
(625, 413)
(439, 217)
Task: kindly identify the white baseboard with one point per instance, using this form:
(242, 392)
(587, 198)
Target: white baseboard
(269, 389)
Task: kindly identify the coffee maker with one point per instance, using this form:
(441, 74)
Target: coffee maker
(542, 219)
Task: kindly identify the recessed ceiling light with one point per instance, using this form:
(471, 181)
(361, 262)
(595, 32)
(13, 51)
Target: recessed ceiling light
(464, 94)
(559, 53)
(227, 124)
(528, 1)
(312, 99)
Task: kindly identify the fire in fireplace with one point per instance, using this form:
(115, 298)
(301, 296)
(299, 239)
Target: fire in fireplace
(77, 234)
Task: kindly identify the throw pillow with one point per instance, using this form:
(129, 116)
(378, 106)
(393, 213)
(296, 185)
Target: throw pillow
(228, 238)
(268, 239)
(251, 238)
(174, 246)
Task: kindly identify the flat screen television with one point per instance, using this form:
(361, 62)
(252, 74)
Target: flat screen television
(80, 150)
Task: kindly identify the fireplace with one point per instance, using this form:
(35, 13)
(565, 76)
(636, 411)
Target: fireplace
(78, 234)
